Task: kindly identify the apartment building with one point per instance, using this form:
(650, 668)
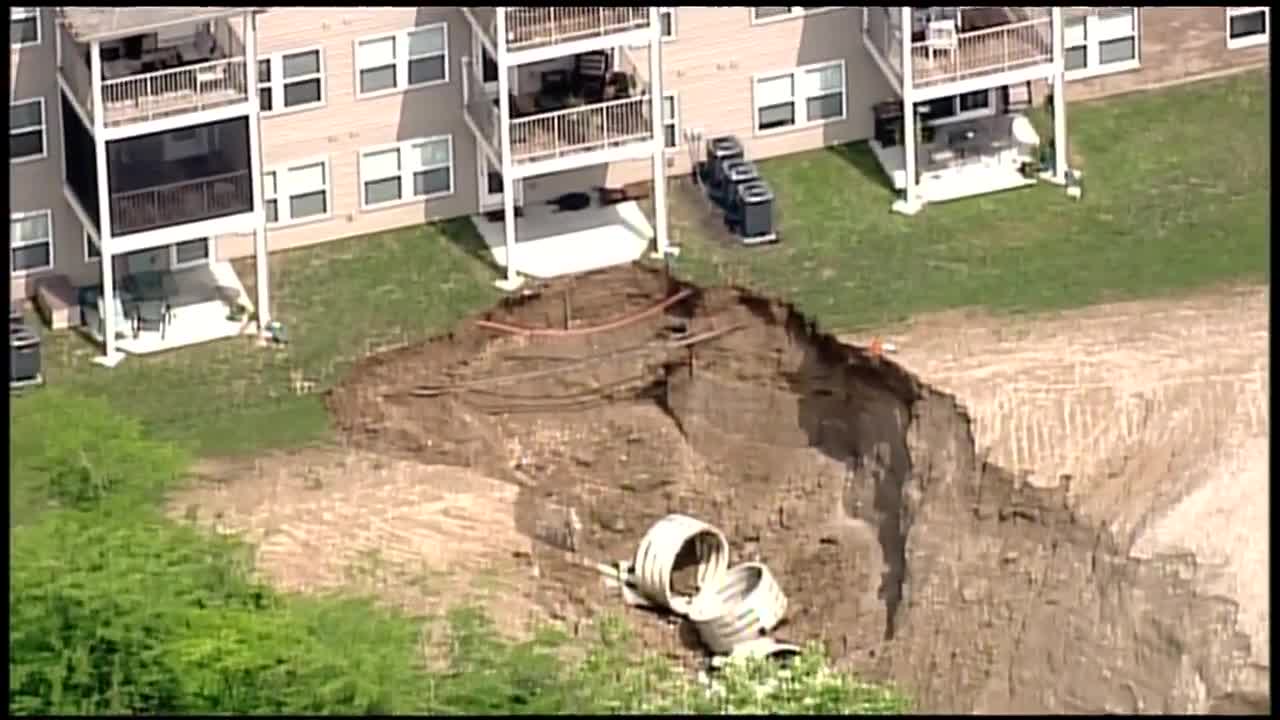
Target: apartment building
(176, 139)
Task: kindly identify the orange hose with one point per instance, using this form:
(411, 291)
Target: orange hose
(611, 325)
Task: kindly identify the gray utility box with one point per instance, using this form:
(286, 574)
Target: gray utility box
(736, 173)
(719, 149)
(733, 174)
(756, 202)
(24, 355)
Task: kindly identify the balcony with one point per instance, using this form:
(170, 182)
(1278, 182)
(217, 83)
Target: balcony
(965, 43)
(530, 27)
(535, 27)
(568, 111)
(150, 76)
(181, 202)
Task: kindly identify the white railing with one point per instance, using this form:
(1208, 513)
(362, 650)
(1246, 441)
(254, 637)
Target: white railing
(582, 129)
(137, 98)
(534, 26)
(182, 202)
(983, 52)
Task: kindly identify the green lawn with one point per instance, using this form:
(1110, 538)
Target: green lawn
(338, 301)
(1177, 194)
(1176, 198)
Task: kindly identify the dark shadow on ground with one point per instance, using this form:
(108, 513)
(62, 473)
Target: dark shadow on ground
(858, 155)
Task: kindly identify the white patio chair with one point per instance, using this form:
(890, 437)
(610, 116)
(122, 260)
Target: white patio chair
(942, 36)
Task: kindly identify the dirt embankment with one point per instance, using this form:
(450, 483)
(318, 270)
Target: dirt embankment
(859, 484)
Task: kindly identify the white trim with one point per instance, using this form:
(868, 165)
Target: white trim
(177, 122)
(791, 14)
(674, 121)
(16, 13)
(14, 244)
(44, 131)
(490, 87)
(407, 170)
(276, 82)
(1093, 66)
(400, 61)
(210, 254)
(90, 242)
(799, 98)
(1255, 39)
(282, 193)
(670, 12)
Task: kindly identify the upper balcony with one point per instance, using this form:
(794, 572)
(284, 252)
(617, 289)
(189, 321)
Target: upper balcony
(564, 111)
(541, 28)
(197, 61)
(952, 45)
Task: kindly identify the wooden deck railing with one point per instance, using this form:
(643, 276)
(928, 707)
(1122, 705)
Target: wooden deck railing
(984, 52)
(583, 129)
(182, 202)
(138, 98)
(533, 26)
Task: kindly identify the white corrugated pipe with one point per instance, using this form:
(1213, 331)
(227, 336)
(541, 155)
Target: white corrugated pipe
(742, 608)
(663, 545)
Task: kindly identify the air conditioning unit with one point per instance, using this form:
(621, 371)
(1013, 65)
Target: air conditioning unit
(24, 355)
(732, 173)
(719, 149)
(735, 173)
(755, 201)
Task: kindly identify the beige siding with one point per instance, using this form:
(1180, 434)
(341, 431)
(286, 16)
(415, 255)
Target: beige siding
(715, 55)
(1177, 44)
(345, 125)
(37, 184)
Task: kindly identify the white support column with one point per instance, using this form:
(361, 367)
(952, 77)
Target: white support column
(110, 355)
(261, 258)
(1059, 101)
(662, 246)
(910, 203)
(513, 279)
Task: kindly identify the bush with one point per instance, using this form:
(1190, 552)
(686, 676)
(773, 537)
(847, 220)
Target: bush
(73, 452)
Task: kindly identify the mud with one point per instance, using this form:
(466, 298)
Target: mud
(910, 557)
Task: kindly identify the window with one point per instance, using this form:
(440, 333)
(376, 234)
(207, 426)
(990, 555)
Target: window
(26, 130)
(91, 251)
(1247, 26)
(24, 26)
(296, 193)
(667, 17)
(191, 252)
(291, 81)
(1100, 40)
(805, 96)
(767, 14)
(670, 121)
(402, 60)
(957, 107)
(422, 168)
(30, 242)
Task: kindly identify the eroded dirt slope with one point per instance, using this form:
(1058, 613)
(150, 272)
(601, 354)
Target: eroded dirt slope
(858, 484)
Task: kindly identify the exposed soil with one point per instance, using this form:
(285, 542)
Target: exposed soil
(974, 587)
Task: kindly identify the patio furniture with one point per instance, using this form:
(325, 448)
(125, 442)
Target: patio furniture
(590, 71)
(619, 86)
(151, 315)
(942, 36)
